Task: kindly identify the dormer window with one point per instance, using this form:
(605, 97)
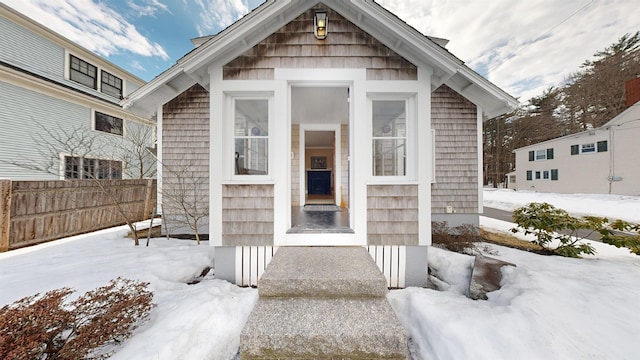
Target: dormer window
(82, 72)
(111, 85)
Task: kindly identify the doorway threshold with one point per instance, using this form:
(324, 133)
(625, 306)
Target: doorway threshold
(331, 221)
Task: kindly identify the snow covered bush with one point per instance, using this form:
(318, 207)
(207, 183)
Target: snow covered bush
(558, 231)
(47, 327)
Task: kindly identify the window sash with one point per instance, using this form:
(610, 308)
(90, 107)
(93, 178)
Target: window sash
(575, 150)
(111, 84)
(77, 167)
(602, 146)
(389, 120)
(82, 72)
(588, 148)
(251, 136)
(108, 124)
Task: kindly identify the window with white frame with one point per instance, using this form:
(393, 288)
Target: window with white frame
(82, 72)
(389, 135)
(109, 124)
(110, 84)
(588, 148)
(78, 167)
(538, 155)
(251, 136)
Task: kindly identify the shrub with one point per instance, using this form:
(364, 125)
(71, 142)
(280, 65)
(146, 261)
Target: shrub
(45, 327)
(549, 224)
(462, 238)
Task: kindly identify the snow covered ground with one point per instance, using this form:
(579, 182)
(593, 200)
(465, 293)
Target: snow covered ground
(548, 307)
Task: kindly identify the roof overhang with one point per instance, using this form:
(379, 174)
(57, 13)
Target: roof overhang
(366, 14)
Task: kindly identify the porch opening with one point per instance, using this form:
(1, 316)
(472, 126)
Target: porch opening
(320, 168)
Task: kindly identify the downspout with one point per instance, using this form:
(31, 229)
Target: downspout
(612, 168)
(611, 159)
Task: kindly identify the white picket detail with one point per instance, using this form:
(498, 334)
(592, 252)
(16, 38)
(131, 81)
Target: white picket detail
(251, 261)
(392, 261)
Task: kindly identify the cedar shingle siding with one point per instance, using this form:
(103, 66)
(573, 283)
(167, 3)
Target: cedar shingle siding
(247, 215)
(295, 46)
(454, 120)
(185, 158)
(392, 214)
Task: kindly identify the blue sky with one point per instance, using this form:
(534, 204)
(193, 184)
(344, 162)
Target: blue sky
(522, 46)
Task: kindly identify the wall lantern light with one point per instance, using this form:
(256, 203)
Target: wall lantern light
(320, 25)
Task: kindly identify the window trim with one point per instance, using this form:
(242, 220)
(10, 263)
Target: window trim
(602, 146)
(411, 166)
(575, 149)
(80, 60)
(102, 83)
(94, 167)
(231, 103)
(94, 121)
(541, 154)
(590, 145)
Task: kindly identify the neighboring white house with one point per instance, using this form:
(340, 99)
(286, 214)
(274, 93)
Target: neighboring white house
(51, 88)
(342, 102)
(600, 161)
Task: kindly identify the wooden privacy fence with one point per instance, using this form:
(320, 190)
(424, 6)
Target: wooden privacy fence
(33, 212)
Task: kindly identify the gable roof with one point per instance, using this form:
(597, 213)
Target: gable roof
(366, 14)
(628, 116)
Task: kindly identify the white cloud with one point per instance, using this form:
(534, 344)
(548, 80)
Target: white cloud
(148, 7)
(525, 46)
(92, 25)
(216, 15)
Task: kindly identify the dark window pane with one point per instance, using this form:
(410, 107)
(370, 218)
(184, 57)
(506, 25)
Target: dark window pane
(111, 85)
(72, 167)
(554, 174)
(602, 146)
(529, 175)
(575, 150)
(532, 155)
(109, 124)
(82, 72)
(549, 154)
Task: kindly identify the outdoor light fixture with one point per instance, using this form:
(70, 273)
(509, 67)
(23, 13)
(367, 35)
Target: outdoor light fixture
(320, 25)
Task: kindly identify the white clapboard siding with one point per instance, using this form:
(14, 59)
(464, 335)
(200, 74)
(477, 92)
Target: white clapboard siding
(22, 47)
(251, 261)
(392, 261)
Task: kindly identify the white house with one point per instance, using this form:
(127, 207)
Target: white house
(52, 89)
(600, 161)
(339, 103)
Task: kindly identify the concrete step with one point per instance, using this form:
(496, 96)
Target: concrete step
(322, 272)
(327, 328)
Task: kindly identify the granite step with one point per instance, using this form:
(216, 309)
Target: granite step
(304, 328)
(322, 303)
(322, 272)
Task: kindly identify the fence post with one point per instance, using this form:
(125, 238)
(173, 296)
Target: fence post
(148, 206)
(5, 213)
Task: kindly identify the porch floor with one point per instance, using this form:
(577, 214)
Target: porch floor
(319, 221)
